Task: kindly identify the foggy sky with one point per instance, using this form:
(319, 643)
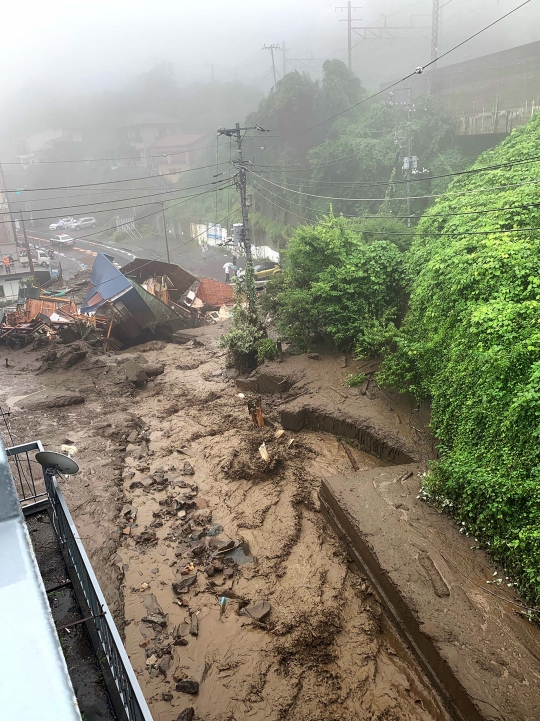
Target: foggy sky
(69, 46)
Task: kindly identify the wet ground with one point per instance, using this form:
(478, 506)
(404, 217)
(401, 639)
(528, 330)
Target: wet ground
(152, 528)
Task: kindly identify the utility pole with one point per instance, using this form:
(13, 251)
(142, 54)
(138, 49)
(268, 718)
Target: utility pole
(349, 22)
(30, 259)
(165, 231)
(241, 183)
(435, 20)
(272, 48)
(211, 70)
(284, 52)
(409, 158)
(6, 195)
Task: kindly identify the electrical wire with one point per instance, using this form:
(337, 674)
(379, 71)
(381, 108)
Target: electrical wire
(486, 168)
(416, 234)
(431, 215)
(124, 207)
(414, 197)
(108, 182)
(418, 71)
(106, 160)
(117, 200)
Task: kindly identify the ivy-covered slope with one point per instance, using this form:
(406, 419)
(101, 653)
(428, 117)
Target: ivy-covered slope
(471, 342)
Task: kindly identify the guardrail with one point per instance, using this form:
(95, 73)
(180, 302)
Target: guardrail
(124, 690)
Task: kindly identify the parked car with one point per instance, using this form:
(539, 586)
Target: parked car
(83, 223)
(263, 271)
(39, 257)
(62, 240)
(61, 224)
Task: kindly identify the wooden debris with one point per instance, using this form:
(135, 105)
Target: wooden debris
(352, 459)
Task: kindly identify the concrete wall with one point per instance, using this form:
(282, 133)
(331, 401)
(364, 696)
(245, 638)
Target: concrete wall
(490, 94)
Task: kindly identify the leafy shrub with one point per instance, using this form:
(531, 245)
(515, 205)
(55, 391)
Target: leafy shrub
(355, 380)
(266, 350)
(119, 236)
(471, 341)
(335, 286)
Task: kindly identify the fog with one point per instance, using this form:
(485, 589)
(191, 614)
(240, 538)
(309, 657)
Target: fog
(69, 46)
(58, 53)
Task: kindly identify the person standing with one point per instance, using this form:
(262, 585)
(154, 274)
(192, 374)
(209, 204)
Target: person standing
(7, 266)
(227, 268)
(204, 249)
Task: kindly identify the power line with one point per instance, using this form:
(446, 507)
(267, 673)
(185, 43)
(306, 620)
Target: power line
(106, 160)
(431, 215)
(125, 207)
(416, 197)
(418, 71)
(122, 200)
(109, 182)
(484, 169)
(425, 235)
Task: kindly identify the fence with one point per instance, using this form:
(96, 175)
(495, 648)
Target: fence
(124, 689)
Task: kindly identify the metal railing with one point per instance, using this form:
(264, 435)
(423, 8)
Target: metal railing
(28, 477)
(124, 689)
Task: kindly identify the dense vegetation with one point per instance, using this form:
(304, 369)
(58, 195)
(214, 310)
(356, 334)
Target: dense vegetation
(338, 285)
(471, 343)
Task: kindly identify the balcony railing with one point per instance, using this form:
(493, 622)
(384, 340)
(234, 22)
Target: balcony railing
(37, 490)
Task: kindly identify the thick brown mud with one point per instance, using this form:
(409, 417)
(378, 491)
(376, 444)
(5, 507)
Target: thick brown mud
(323, 652)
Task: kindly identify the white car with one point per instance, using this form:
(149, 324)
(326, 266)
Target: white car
(61, 224)
(88, 222)
(62, 240)
(39, 257)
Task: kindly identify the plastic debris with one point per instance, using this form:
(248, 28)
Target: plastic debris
(264, 452)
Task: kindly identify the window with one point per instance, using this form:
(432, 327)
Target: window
(2, 294)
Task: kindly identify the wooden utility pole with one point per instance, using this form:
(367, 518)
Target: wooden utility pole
(30, 259)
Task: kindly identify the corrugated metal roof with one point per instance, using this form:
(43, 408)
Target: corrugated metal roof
(106, 282)
(141, 269)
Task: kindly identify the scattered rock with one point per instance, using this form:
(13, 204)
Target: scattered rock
(314, 356)
(215, 530)
(188, 469)
(210, 570)
(228, 572)
(146, 538)
(201, 503)
(155, 619)
(153, 369)
(187, 714)
(127, 531)
(167, 697)
(151, 660)
(129, 512)
(187, 685)
(258, 611)
(194, 625)
(73, 358)
(164, 665)
(45, 400)
(152, 606)
(184, 585)
(200, 673)
(133, 372)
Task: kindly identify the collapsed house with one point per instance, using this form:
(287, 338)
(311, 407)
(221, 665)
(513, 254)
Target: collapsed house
(146, 299)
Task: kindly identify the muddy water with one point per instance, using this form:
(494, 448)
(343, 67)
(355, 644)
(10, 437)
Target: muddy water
(321, 653)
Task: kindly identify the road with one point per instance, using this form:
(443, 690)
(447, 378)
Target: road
(187, 254)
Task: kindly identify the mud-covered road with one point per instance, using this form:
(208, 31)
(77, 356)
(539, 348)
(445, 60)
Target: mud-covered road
(170, 476)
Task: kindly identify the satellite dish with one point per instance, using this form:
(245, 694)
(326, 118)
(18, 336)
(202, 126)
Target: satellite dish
(57, 462)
